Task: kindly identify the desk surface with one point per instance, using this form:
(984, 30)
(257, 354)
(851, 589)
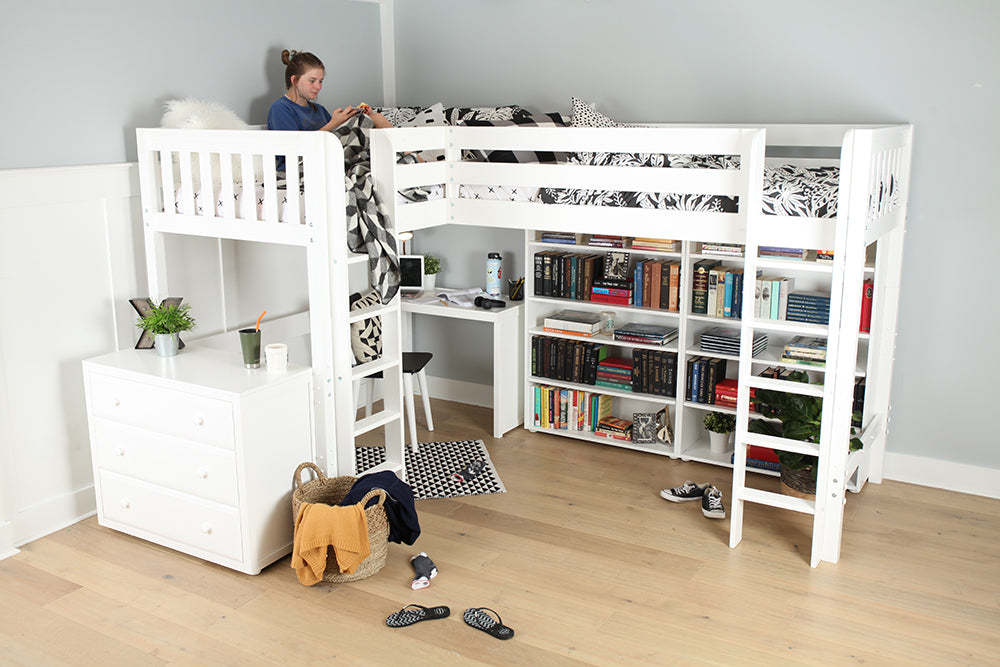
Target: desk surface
(443, 309)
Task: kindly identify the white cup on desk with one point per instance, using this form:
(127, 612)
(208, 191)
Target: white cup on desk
(276, 356)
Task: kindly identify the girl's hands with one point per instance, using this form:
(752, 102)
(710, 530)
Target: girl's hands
(340, 116)
(381, 122)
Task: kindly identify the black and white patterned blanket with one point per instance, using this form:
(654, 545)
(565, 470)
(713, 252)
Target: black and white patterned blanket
(369, 228)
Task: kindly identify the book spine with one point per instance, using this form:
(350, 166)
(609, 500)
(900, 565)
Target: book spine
(637, 282)
(664, 303)
(655, 281)
(675, 286)
(727, 310)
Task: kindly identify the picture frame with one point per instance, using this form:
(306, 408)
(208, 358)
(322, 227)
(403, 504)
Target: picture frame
(644, 427)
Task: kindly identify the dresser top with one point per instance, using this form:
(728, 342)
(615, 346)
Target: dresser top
(195, 364)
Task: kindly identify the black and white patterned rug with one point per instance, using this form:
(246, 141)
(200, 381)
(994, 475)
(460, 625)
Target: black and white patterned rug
(429, 470)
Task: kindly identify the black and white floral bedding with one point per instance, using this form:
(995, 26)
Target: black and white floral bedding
(788, 190)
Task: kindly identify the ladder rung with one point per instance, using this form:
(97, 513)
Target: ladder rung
(364, 370)
(784, 444)
(371, 311)
(778, 500)
(790, 326)
(391, 466)
(807, 389)
(380, 418)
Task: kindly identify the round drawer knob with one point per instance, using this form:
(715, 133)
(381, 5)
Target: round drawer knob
(125, 503)
(120, 451)
(199, 421)
(202, 473)
(115, 402)
(206, 528)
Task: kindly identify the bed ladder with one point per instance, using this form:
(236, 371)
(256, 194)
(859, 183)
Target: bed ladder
(836, 390)
(390, 364)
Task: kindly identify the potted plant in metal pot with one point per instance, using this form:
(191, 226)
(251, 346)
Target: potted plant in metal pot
(165, 322)
(798, 419)
(719, 425)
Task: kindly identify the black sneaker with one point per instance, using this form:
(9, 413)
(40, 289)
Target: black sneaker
(711, 504)
(686, 492)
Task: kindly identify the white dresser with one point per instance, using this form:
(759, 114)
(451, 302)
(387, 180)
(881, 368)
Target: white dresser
(196, 453)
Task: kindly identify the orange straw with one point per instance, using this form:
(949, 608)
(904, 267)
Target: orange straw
(260, 318)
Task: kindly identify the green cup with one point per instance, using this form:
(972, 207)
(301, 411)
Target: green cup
(250, 343)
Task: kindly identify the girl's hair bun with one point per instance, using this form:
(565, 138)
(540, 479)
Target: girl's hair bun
(286, 56)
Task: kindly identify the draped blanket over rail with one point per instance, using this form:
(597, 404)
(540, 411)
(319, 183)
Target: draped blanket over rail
(369, 228)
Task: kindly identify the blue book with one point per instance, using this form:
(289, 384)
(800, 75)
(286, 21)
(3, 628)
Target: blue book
(727, 309)
(637, 284)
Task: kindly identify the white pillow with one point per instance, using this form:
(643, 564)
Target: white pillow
(192, 114)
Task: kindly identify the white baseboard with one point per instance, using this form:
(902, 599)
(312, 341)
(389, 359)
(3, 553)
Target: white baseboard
(458, 391)
(939, 474)
(7, 540)
(32, 523)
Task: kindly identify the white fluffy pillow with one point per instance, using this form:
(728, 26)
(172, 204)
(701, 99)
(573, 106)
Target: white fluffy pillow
(192, 114)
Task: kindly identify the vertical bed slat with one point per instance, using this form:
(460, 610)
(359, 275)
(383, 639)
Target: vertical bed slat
(291, 212)
(269, 212)
(208, 194)
(167, 181)
(227, 194)
(187, 194)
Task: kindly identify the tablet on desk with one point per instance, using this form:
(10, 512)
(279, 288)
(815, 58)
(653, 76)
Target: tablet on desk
(411, 273)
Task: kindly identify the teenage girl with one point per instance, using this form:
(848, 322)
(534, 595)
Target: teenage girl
(298, 109)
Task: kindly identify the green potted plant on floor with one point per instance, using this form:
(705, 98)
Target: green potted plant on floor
(719, 425)
(432, 267)
(798, 419)
(165, 322)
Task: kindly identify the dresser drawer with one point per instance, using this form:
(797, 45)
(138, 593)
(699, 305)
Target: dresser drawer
(184, 519)
(188, 416)
(202, 470)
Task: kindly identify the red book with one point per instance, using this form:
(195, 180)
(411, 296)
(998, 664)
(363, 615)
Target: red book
(620, 362)
(761, 453)
(867, 294)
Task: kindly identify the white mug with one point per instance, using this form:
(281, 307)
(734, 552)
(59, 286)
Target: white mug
(276, 355)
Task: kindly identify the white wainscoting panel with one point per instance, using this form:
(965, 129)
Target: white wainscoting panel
(69, 239)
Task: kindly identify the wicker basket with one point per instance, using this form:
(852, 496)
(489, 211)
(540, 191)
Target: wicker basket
(798, 483)
(330, 491)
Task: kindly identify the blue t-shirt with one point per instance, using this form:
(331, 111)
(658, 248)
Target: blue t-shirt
(285, 114)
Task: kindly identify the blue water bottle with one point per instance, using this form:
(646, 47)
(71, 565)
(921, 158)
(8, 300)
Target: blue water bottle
(494, 274)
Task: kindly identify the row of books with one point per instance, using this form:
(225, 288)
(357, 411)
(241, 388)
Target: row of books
(616, 428)
(649, 334)
(808, 350)
(762, 458)
(811, 307)
(716, 289)
(703, 375)
(657, 284)
(569, 409)
(576, 322)
(726, 340)
(654, 372)
(566, 360)
(659, 245)
(615, 373)
(795, 253)
(771, 297)
(723, 249)
(566, 275)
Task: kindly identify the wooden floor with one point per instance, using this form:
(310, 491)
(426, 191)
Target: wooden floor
(580, 556)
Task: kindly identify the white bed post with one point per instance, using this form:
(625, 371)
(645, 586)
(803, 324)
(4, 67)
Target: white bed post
(842, 347)
(326, 255)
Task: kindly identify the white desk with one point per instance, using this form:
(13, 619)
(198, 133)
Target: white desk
(508, 353)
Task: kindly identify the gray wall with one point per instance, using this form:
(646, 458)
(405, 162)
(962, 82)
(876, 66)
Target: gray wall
(934, 64)
(81, 76)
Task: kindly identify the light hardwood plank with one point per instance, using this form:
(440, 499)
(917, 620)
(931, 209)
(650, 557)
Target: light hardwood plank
(580, 556)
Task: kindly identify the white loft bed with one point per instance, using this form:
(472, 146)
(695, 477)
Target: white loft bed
(873, 161)
(868, 156)
(205, 197)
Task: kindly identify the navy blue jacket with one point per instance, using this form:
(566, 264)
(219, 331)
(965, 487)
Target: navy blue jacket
(399, 506)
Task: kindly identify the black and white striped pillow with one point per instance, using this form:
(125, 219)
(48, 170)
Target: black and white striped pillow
(554, 119)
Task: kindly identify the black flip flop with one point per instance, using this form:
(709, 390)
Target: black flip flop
(407, 616)
(479, 619)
